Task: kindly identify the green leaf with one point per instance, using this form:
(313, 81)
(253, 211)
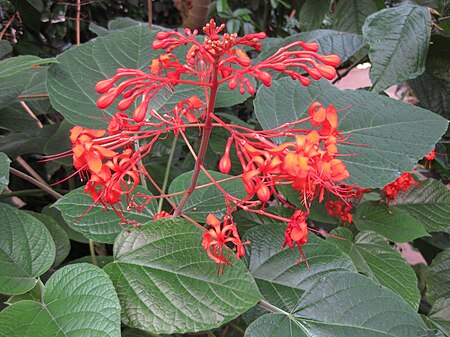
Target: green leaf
(280, 279)
(71, 83)
(26, 250)
(433, 93)
(312, 14)
(80, 213)
(60, 142)
(351, 14)
(5, 48)
(34, 294)
(394, 135)
(78, 300)
(59, 235)
(208, 199)
(394, 224)
(398, 38)
(438, 277)
(4, 171)
(167, 283)
(56, 215)
(344, 304)
(429, 203)
(439, 315)
(374, 257)
(14, 65)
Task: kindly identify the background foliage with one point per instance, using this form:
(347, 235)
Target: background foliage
(64, 273)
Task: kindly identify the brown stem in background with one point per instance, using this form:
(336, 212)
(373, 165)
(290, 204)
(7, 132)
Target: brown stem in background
(31, 113)
(150, 14)
(77, 24)
(36, 182)
(10, 21)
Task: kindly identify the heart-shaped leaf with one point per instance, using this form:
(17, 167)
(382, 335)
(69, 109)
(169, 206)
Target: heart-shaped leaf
(26, 250)
(166, 282)
(78, 300)
(344, 304)
(280, 279)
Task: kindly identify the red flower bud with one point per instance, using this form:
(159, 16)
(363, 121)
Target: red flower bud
(125, 103)
(106, 100)
(140, 112)
(225, 164)
(103, 86)
(263, 193)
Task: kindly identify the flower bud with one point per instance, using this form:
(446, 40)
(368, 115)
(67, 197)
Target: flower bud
(263, 193)
(140, 112)
(106, 100)
(103, 86)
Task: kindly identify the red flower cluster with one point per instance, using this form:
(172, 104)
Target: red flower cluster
(309, 163)
(308, 160)
(402, 183)
(340, 209)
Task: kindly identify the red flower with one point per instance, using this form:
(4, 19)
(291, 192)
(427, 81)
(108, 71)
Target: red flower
(296, 233)
(402, 183)
(215, 240)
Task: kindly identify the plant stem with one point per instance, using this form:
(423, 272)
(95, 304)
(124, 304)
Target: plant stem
(150, 14)
(92, 250)
(272, 308)
(204, 143)
(143, 181)
(237, 328)
(22, 193)
(77, 23)
(42, 186)
(167, 172)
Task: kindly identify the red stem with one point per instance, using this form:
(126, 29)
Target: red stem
(204, 143)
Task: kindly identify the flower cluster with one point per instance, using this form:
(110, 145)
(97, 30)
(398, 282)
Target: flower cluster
(308, 163)
(111, 159)
(402, 183)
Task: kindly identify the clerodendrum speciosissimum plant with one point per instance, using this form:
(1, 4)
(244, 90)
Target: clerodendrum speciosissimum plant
(308, 161)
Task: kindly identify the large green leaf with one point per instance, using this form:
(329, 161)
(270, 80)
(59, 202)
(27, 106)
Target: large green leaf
(393, 135)
(80, 213)
(429, 202)
(312, 14)
(398, 38)
(26, 250)
(393, 224)
(208, 199)
(343, 304)
(167, 283)
(71, 83)
(59, 235)
(374, 257)
(438, 277)
(78, 300)
(4, 171)
(350, 15)
(280, 279)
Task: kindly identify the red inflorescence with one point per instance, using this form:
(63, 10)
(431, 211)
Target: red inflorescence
(308, 160)
(402, 183)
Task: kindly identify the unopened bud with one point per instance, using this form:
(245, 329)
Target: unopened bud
(103, 86)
